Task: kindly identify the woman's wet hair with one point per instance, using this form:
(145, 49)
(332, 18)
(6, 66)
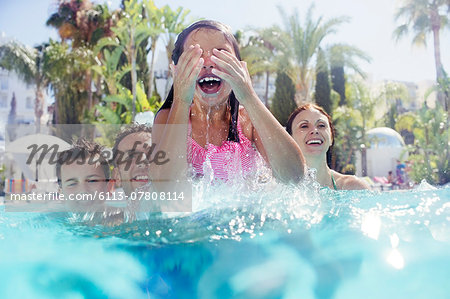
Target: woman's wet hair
(178, 50)
(310, 106)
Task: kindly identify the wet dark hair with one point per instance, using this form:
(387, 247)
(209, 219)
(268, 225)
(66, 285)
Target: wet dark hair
(321, 110)
(83, 148)
(179, 48)
(125, 131)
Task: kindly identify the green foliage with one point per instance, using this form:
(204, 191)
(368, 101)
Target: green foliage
(390, 95)
(344, 56)
(405, 121)
(431, 147)
(338, 82)
(421, 169)
(67, 80)
(108, 68)
(442, 88)
(347, 123)
(283, 103)
(20, 59)
(351, 123)
(117, 109)
(349, 169)
(263, 51)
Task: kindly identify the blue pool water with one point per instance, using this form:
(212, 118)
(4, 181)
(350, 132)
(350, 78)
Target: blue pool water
(277, 243)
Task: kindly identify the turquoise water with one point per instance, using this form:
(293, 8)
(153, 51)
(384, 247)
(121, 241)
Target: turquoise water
(277, 243)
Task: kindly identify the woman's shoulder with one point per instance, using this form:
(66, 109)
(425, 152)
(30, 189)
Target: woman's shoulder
(349, 182)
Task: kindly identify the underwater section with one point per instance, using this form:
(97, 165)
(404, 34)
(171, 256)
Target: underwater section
(265, 241)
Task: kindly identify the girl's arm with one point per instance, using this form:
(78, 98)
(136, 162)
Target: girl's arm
(170, 128)
(271, 139)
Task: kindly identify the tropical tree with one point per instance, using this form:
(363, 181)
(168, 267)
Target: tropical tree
(28, 64)
(129, 33)
(82, 23)
(430, 154)
(283, 102)
(65, 70)
(423, 17)
(304, 41)
(263, 53)
(392, 94)
(322, 93)
(351, 123)
(342, 56)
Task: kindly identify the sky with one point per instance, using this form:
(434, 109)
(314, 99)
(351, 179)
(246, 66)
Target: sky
(370, 28)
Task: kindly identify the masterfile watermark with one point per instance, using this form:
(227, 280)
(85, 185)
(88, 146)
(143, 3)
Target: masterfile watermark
(50, 171)
(148, 156)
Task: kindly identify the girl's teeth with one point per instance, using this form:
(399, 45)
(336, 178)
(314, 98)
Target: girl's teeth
(207, 79)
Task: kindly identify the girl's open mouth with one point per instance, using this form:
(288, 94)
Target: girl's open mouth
(209, 83)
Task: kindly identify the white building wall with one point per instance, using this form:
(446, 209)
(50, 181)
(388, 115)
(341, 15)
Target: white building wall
(379, 161)
(25, 95)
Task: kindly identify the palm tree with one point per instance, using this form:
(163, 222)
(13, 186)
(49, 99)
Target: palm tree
(424, 17)
(28, 64)
(305, 40)
(65, 69)
(82, 23)
(263, 53)
(342, 56)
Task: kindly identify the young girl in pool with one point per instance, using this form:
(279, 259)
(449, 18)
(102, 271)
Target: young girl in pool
(312, 129)
(210, 83)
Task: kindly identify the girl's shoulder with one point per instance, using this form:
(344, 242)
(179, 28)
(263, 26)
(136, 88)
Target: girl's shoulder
(245, 123)
(161, 116)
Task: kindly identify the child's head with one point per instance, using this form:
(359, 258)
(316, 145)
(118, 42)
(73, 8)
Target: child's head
(83, 169)
(204, 24)
(180, 45)
(130, 151)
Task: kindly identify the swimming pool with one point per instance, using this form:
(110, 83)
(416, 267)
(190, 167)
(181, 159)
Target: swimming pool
(281, 243)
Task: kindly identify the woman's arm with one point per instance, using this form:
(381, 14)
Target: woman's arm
(271, 139)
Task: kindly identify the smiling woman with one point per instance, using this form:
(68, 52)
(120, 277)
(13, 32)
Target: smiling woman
(312, 129)
(210, 83)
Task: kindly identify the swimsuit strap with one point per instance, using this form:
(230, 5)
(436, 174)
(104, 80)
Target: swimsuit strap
(334, 182)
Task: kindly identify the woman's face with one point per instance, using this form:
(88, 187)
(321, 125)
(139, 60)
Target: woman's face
(210, 89)
(312, 132)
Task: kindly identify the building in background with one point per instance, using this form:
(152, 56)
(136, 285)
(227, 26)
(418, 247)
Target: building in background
(10, 84)
(25, 97)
